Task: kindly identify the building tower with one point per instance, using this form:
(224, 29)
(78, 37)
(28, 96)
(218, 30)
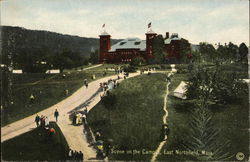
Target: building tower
(104, 46)
(150, 35)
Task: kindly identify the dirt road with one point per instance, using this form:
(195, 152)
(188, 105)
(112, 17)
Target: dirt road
(74, 135)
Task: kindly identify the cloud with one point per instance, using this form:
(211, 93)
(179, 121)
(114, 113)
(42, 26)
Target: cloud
(210, 21)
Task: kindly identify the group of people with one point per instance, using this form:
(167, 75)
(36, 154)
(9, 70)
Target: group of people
(103, 148)
(80, 117)
(107, 86)
(118, 71)
(147, 69)
(43, 122)
(75, 155)
(111, 83)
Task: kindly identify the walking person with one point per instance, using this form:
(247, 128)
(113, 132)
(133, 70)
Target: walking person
(32, 98)
(37, 120)
(56, 114)
(85, 81)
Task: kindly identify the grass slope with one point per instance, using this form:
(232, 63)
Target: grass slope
(134, 121)
(48, 89)
(36, 145)
(231, 119)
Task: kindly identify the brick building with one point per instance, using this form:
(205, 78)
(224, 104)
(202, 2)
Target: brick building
(130, 48)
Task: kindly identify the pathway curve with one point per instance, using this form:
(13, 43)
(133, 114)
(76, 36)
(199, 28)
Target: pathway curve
(74, 135)
(164, 118)
(91, 67)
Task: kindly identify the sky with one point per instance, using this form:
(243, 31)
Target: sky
(209, 21)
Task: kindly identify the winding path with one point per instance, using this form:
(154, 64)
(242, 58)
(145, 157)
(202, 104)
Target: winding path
(73, 134)
(164, 118)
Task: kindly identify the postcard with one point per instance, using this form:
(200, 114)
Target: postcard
(124, 80)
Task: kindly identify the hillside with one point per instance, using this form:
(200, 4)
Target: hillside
(19, 40)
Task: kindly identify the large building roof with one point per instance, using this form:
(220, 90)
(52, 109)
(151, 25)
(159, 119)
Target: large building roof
(174, 36)
(129, 43)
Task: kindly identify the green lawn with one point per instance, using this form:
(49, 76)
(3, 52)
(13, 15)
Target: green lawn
(134, 121)
(48, 89)
(78, 68)
(232, 121)
(36, 145)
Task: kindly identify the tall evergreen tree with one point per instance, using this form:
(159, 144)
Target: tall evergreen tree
(205, 136)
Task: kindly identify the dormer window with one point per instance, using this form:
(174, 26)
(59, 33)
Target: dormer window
(137, 43)
(122, 43)
(174, 35)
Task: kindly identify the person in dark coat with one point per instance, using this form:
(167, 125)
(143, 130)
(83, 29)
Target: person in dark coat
(107, 147)
(74, 119)
(167, 130)
(37, 120)
(74, 155)
(56, 114)
(99, 155)
(164, 132)
(42, 121)
(81, 156)
(97, 136)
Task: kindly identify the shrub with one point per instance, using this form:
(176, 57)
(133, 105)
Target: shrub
(165, 66)
(129, 68)
(109, 100)
(138, 61)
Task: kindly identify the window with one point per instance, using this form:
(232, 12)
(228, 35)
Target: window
(122, 43)
(137, 43)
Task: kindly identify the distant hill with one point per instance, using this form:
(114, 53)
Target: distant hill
(17, 40)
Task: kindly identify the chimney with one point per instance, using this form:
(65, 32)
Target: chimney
(167, 35)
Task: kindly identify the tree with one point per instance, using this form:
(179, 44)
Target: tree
(158, 53)
(138, 61)
(243, 51)
(196, 56)
(214, 85)
(205, 137)
(94, 57)
(207, 51)
(221, 53)
(185, 51)
(232, 51)
(62, 61)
